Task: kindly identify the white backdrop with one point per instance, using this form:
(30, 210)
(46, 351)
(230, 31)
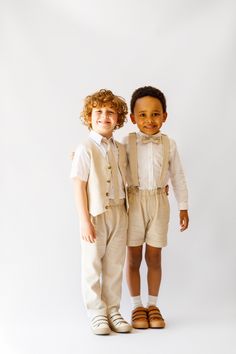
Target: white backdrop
(53, 54)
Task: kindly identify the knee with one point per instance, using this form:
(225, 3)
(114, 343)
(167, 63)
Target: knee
(134, 261)
(153, 261)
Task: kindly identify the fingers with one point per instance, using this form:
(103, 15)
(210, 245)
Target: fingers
(167, 189)
(184, 223)
(88, 232)
(183, 219)
(71, 155)
(91, 238)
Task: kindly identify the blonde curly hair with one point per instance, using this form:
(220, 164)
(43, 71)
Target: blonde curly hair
(101, 98)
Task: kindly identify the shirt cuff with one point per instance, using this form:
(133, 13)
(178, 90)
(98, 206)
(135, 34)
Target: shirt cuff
(81, 177)
(183, 206)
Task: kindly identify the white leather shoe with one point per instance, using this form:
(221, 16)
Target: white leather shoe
(117, 323)
(100, 325)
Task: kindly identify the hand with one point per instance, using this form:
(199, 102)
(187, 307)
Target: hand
(167, 189)
(72, 155)
(88, 232)
(183, 220)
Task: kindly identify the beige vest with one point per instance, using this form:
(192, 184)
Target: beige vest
(133, 160)
(100, 177)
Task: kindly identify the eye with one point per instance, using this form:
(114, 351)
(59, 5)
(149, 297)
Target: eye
(142, 115)
(155, 114)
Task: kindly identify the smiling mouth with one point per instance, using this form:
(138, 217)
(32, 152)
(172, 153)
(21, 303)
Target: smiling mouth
(104, 123)
(150, 126)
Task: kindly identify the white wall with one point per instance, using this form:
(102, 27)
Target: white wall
(54, 53)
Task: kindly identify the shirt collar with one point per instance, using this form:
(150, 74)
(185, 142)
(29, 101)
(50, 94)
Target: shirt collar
(98, 138)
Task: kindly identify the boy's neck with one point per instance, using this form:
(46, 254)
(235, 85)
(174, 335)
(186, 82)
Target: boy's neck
(107, 136)
(150, 134)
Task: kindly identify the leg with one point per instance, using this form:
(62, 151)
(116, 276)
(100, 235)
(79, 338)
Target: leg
(153, 260)
(91, 268)
(112, 264)
(114, 257)
(139, 313)
(134, 258)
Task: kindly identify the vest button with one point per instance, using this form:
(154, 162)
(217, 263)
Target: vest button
(107, 194)
(108, 181)
(109, 167)
(106, 207)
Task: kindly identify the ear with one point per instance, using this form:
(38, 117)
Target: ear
(132, 118)
(165, 116)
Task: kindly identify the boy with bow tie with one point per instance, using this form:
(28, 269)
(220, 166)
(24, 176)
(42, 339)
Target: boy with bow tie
(153, 160)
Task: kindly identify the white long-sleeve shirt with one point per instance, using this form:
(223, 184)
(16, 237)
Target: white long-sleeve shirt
(149, 165)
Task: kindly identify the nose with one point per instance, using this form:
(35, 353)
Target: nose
(104, 114)
(148, 119)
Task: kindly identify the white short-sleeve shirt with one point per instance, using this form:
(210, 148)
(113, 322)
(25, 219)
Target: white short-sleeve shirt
(81, 162)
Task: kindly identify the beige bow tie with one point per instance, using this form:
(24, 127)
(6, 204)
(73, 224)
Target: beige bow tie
(151, 139)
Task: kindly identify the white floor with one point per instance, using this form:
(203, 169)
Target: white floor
(189, 334)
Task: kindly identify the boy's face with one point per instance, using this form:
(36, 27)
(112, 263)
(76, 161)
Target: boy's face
(148, 115)
(104, 120)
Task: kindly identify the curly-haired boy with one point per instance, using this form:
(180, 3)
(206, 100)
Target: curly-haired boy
(99, 174)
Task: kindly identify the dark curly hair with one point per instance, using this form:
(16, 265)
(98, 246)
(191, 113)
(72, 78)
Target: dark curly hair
(147, 91)
(100, 98)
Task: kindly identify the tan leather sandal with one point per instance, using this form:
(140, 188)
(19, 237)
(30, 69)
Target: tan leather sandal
(155, 318)
(140, 318)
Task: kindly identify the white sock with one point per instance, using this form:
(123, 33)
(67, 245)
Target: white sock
(136, 301)
(152, 300)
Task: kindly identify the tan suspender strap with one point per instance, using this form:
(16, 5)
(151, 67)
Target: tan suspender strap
(165, 161)
(133, 160)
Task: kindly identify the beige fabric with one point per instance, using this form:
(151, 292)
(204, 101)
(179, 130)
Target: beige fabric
(149, 214)
(114, 171)
(100, 176)
(165, 161)
(154, 139)
(133, 159)
(103, 261)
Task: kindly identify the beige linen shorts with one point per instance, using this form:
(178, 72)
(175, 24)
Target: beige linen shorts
(148, 216)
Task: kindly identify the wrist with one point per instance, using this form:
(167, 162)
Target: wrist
(85, 219)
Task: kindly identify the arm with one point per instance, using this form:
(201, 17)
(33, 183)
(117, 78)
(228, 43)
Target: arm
(179, 186)
(87, 230)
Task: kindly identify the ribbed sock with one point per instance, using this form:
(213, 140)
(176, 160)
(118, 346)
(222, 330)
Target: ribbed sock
(136, 301)
(152, 300)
